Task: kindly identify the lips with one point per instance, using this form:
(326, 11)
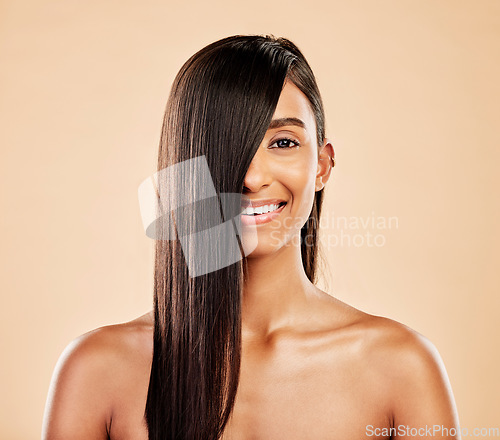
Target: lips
(258, 219)
(245, 203)
(261, 210)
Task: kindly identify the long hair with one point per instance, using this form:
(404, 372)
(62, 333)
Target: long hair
(220, 106)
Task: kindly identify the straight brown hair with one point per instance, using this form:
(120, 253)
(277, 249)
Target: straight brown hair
(220, 106)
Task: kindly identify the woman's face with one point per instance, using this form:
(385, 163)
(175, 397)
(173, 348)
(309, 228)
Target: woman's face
(286, 171)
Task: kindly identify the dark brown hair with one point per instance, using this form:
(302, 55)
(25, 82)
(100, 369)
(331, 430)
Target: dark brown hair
(220, 106)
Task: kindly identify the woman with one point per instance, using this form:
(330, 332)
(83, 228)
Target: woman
(250, 349)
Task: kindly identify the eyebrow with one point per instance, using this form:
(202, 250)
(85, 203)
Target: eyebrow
(276, 123)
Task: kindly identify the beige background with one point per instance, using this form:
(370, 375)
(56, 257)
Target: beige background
(411, 91)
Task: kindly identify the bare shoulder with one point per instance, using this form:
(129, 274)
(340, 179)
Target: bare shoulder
(89, 376)
(108, 346)
(415, 379)
(399, 351)
(382, 340)
(406, 367)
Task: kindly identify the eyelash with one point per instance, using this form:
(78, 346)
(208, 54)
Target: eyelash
(297, 144)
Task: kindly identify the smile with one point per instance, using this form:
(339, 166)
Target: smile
(261, 214)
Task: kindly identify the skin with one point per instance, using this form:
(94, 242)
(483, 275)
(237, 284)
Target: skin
(312, 366)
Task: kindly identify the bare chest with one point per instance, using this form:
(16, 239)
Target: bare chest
(293, 395)
(305, 397)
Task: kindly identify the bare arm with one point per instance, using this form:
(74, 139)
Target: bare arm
(423, 402)
(79, 400)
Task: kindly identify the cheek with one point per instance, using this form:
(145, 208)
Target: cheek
(300, 179)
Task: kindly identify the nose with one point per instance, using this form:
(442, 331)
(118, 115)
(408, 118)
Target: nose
(258, 173)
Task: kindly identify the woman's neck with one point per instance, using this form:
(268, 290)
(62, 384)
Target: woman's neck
(275, 293)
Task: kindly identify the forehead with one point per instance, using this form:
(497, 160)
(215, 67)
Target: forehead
(293, 103)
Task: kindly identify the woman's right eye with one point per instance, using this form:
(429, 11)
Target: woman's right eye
(284, 143)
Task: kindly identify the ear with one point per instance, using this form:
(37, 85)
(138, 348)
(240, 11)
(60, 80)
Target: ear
(326, 161)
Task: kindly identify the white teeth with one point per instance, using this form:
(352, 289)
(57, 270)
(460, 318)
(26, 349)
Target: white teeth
(260, 209)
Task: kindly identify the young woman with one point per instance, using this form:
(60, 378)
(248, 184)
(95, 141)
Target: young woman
(252, 349)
